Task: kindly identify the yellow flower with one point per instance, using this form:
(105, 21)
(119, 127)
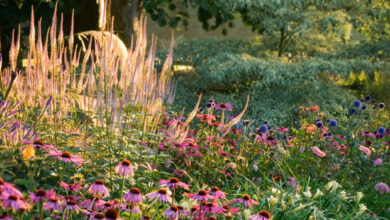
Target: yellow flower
(29, 152)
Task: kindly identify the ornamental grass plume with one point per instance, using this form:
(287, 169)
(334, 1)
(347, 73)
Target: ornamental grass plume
(365, 150)
(318, 152)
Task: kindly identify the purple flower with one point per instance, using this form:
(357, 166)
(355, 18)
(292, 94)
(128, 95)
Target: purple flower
(98, 188)
(172, 213)
(162, 195)
(124, 169)
(378, 162)
(173, 183)
(382, 188)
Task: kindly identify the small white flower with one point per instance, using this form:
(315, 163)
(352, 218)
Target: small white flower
(318, 194)
(362, 208)
(332, 186)
(307, 193)
(273, 200)
(343, 195)
(359, 196)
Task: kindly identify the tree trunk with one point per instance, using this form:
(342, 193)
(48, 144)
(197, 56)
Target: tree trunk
(126, 14)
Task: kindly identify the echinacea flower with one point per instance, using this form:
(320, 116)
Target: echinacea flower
(162, 195)
(9, 188)
(224, 106)
(172, 213)
(382, 188)
(71, 187)
(97, 216)
(212, 207)
(111, 214)
(98, 188)
(262, 215)
(130, 208)
(202, 195)
(67, 157)
(217, 193)
(72, 205)
(229, 210)
(41, 195)
(13, 202)
(365, 150)
(97, 202)
(173, 183)
(124, 168)
(52, 204)
(3, 216)
(133, 196)
(318, 152)
(247, 200)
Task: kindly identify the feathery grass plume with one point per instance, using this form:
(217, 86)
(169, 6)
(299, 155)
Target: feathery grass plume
(225, 128)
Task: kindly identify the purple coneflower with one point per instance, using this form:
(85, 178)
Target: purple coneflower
(172, 213)
(41, 195)
(98, 188)
(224, 106)
(217, 193)
(202, 195)
(262, 215)
(173, 183)
(97, 202)
(9, 189)
(212, 207)
(111, 214)
(229, 210)
(13, 202)
(67, 157)
(72, 205)
(247, 200)
(378, 162)
(4, 217)
(162, 195)
(124, 168)
(382, 188)
(71, 187)
(52, 204)
(130, 208)
(97, 216)
(133, 196)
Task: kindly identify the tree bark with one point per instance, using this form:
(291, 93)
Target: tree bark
(126, 14)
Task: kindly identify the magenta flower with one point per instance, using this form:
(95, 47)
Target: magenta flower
(382, 188)
(217, 193)
(224, 106)
(247, 200)
(74, 187)
(173, 183)
(97, 216)
(230, 210)
(378, 162)
(14, 202)
(318, 152)
(39, 144)
(98, 188)
(53, 204)
(41, 195)
(202, 195)
(4, 217)
(212, 207)
(97, 203)
(72, 205)
(67, 157)
(133, 196)
(179, 172)
(9, 189)
(124, 168)
(130, 208)
(172, 213)
(162, 195)
(262, 215)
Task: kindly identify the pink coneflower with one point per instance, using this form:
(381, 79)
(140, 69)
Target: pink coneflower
(212, 207)
(111, 214)
(52, 204)
(39, 144)
(217, 193)
(133, 196)
(180, 172)
(97, 202)
(98, 188)
(71, 187)
(124, 168)
(89, 213)
(162, 195)
(67, 157)
(224, 106)
(173, 183)
(378, 162)
(172, 213)
(365, 150)
(229, 210)
(182, 211)
(202, 195)
(97, 216)
(247, 200)
(108, 205)
(41, 195)
(318, 152)
(9, 189)
(130, 208)
(72, 205)
(262, 215)
(13, 202)
(382, 188)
